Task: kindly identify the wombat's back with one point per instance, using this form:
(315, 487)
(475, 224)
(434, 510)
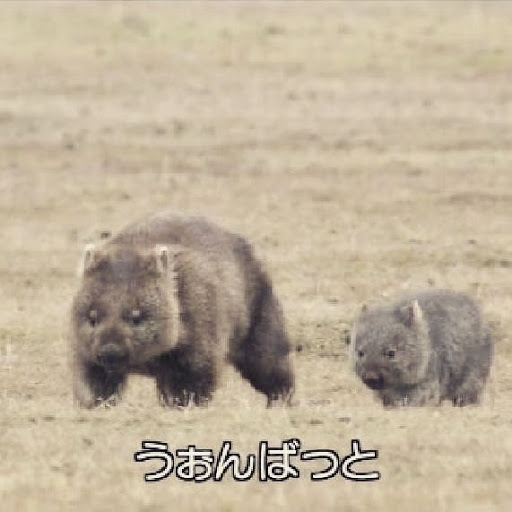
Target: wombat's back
(171, 228)
(453, 318)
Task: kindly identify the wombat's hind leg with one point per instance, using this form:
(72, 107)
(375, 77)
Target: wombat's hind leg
(469, 391)
(263, 357)
(94, 386)
(282, 385)
(271, 376)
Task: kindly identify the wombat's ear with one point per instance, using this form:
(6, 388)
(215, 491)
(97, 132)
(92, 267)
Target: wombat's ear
(412, 314)
(90, 259)
(163, 258)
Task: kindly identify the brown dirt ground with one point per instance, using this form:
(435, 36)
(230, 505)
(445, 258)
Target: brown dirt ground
(364, 148)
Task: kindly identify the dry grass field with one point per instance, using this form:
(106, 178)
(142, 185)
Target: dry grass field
(364, 148)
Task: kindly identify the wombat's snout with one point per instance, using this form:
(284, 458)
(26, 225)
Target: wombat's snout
(374, 380)
(112, 357)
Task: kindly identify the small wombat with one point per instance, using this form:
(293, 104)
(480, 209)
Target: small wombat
(171, 297)
(423, 349)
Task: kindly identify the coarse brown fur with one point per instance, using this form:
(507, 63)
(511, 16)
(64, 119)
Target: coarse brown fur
(423, 349)
(172, 297)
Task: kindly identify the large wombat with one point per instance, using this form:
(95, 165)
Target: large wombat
(171, 297)
(423, 349)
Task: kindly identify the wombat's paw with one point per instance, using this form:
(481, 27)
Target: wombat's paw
(107, 403)
(181, 402)
(403, 401)
(465, 399)
(283, 399)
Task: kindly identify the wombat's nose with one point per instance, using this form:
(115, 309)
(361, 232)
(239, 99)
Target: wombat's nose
(374, 380)
(112, 357)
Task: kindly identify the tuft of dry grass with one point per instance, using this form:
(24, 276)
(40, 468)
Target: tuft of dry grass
(363, 147)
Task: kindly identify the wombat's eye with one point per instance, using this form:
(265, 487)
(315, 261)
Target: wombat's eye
(92, 316)
(360, 353)
(390, 354)
(136, 316)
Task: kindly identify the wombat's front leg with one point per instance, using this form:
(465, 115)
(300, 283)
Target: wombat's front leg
(94, 386)
(182, 398)
(180, 382)
(172, 394)
(426, 393)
